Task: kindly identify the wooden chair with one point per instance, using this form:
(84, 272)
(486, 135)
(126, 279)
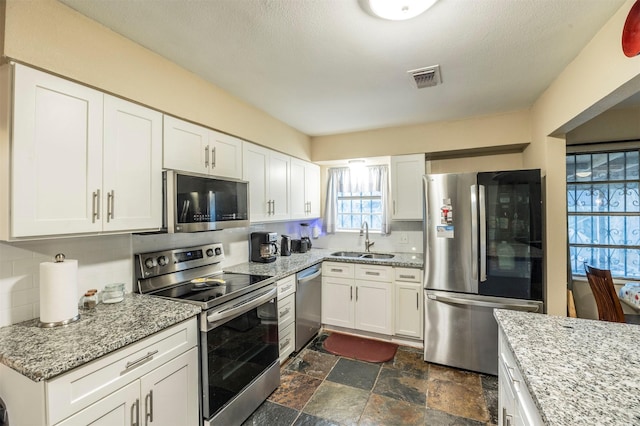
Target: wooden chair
(601, 283)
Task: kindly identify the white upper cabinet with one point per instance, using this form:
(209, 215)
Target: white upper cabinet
(406, 186)
(81, 161)
(132, 175)
(268, 174)
(193, 148)
(305, 189)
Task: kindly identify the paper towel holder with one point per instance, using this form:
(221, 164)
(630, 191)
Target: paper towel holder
(58, 258)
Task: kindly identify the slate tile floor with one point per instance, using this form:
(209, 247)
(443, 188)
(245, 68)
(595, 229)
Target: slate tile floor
(319, 388)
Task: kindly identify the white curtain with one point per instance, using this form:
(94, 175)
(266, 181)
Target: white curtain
(371, 179)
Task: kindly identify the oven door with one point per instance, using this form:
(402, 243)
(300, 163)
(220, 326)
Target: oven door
(239, 344)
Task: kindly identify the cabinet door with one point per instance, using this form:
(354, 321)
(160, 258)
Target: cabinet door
(408, 309)
(121, 408)
(132, 174)
(186, 146)
(374, 306)
(225, 155)
(255, 160)
(169, 394)
(406, 186)
(298, 189)
(57, 156)
(337, 301)
(312, 180)
(279, 165)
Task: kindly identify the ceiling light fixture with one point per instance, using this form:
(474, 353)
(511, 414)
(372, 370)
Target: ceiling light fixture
(399, 10)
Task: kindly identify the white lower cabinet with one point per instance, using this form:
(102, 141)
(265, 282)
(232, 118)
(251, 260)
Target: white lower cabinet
(358, 296)
(286, 316)
(515, 405)
(153, 382)
(409, 302)
(163, 397)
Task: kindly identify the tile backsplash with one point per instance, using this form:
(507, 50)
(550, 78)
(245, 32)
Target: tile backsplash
(101, 260)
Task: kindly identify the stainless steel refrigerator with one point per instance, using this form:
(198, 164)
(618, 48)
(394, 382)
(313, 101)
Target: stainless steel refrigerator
(482, 250)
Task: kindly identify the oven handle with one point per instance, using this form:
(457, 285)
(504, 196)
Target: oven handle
(242, 307)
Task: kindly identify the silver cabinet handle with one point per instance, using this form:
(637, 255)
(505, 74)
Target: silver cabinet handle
(394, 206)
(213, 157)
(372, 273)
(287, 288)
(417, 301)
(408, 277)
(336, 270)
(140, 360)
(273, 203)
(206, 156)
(285, 343)
(285, 312)
(351, 293)
(148, 401)
(135, 413)
(111, 196)
(96, 206)
(356, 294)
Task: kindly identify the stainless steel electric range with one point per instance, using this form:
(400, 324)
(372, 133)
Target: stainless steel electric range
(239, 366)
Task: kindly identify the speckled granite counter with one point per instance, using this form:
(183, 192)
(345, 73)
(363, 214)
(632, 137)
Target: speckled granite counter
(287, 265)
(41, 353)
(578, 371)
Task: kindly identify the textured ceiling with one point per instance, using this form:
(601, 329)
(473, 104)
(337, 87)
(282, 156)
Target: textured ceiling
(326, 66)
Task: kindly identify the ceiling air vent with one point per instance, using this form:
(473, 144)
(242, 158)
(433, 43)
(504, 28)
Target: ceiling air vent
(426, 77)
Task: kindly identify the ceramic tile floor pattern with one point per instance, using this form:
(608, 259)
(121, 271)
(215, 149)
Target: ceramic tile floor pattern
(319, 388)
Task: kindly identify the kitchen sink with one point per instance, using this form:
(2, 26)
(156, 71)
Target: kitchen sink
(361, 255)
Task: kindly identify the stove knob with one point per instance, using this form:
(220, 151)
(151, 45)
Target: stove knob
(150, 263)
(162, 260)
(218, 251)
(210, 252)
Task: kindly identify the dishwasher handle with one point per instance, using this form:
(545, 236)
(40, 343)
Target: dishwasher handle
(309, 277)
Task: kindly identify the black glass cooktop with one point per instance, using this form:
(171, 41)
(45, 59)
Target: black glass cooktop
(204, 290)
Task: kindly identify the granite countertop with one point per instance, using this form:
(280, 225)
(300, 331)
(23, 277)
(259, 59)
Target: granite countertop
(43, 353)
(578, 371)
(287, 265)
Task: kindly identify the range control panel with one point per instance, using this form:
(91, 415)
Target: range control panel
(167, 261)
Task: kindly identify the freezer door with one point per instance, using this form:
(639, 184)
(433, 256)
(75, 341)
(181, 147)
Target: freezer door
(461, 332)
(450, 232)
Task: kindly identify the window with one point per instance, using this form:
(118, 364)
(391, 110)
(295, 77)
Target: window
(356, 207)
(355, 196)
(603, 211)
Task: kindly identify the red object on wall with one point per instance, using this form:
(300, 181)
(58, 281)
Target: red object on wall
(631, 32)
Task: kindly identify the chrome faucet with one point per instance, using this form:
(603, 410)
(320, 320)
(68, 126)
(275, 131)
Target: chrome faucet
(365, 228)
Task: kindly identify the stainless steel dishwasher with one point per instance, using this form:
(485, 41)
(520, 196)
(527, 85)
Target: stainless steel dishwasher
(308, 299)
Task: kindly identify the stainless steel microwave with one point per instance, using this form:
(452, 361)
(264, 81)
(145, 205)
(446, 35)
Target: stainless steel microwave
(195, 203)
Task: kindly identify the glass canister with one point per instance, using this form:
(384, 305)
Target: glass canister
(113, 293)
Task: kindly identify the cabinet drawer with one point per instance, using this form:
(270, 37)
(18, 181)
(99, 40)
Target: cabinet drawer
(374, 273)
(287, 342)
(77, 389)
(408, 274)
(286, 311)
(337, 269)
(286, 286)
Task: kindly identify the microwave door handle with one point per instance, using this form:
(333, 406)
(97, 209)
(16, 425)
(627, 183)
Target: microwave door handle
(185, 210)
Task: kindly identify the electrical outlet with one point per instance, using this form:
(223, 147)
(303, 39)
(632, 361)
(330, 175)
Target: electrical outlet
(404, 238)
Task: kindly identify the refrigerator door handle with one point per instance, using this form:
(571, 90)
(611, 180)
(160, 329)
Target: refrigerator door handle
(474, 232)
(483, 233)
(483, 304)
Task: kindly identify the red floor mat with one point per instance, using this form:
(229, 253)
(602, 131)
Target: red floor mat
(359, 348)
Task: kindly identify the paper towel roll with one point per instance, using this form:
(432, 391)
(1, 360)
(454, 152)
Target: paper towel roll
(58, 291)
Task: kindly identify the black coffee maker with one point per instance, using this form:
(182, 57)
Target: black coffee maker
(263, 247)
